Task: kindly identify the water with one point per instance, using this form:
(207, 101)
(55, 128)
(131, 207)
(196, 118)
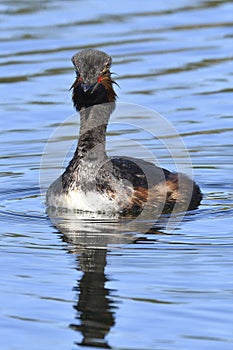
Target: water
(168, 289)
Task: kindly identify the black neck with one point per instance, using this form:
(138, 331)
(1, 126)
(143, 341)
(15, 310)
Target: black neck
(92, 134)
(90, 152)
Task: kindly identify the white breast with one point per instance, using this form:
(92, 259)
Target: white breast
(78, 200)
(92, 201)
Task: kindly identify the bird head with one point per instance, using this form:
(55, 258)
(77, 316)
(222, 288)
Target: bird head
(93, 84)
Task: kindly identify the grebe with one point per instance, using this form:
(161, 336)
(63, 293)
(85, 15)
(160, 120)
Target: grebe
(93, 181)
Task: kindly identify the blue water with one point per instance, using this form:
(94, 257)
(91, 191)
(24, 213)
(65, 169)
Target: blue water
(88, 283)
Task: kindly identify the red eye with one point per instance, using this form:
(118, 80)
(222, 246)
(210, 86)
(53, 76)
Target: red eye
(100, 79)
(80, 79)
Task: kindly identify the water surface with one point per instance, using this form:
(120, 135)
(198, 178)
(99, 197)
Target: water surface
(168, 289)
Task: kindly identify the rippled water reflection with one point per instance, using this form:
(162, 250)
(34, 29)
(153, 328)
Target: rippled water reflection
(164, 289)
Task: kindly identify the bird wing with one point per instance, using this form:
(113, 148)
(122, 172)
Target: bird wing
(139, 172)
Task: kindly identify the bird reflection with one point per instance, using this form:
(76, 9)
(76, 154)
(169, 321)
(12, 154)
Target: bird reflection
(90, 238)
(95, 307)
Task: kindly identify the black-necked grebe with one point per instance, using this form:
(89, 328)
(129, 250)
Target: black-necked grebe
(97, 183)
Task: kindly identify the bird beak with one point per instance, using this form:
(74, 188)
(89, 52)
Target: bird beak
(87, 87)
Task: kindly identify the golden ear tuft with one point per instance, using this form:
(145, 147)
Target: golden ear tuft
(107, 66)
